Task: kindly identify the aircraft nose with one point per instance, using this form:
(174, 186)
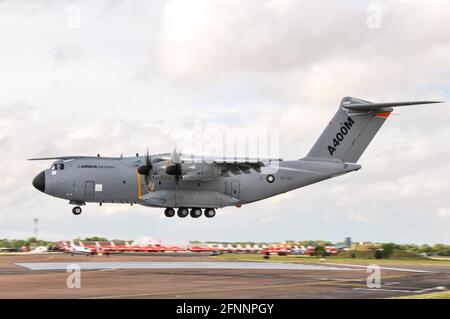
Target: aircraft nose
(39, 181)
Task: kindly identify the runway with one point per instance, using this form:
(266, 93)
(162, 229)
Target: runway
(200, 276)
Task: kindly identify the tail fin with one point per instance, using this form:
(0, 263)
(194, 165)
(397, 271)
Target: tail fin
(352, 128)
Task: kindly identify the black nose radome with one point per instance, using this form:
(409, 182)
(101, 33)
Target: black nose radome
(39, 181)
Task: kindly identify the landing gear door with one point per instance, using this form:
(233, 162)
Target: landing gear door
(89, 188)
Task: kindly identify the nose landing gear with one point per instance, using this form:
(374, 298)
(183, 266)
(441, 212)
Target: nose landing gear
(76, 210)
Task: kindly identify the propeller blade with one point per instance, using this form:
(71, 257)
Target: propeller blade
(147, 168)
(147, 159)
(175, 156)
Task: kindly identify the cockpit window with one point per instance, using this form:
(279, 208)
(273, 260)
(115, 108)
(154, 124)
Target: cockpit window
(56, 167)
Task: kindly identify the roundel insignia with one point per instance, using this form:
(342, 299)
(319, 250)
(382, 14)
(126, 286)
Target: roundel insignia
(270, 178)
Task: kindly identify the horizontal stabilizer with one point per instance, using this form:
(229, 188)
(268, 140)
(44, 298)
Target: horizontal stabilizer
(353, 127)
(377, 106)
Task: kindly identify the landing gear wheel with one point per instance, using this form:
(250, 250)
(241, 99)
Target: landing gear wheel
(196, 212)
(169, 212)
(182, 212)
(76, 210)
(210, 213)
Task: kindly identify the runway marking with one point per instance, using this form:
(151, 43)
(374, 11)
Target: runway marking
(406, 291)
(385, 268)
(179, 265)
(383, 290)
(392, 283)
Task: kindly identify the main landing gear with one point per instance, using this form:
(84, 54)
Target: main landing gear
(183, 212)
(196, 212)
(210, 213)
(169, 212)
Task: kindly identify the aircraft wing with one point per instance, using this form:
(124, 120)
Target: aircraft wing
(216, 160)
(238, 166)
(68, 158)
(243, 164)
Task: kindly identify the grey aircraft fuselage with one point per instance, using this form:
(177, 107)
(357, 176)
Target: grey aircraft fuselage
(115, 180)
(178, 181)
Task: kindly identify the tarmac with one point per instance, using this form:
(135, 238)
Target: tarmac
(189, 276)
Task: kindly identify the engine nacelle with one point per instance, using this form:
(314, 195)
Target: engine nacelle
(197, 172)
(190, 172)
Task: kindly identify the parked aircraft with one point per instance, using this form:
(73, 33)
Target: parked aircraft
(77, 250)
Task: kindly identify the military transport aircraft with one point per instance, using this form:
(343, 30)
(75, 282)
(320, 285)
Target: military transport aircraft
(192, 183)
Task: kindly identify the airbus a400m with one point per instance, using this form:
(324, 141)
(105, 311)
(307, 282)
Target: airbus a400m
(195, 185)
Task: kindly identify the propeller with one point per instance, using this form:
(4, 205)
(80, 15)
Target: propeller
(175, 169)
(146, 169)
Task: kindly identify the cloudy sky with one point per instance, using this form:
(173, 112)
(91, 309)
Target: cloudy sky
(112, 77)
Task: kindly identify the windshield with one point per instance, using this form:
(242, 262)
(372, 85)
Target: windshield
(57, 167)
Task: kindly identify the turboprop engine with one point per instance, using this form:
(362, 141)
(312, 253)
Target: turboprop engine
(187, 171)
(196, 172)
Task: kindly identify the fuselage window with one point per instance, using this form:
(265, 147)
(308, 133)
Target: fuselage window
(61, 166)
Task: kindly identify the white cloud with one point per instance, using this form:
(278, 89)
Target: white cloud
(364, 217)
(444, 212)
(319, 44)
